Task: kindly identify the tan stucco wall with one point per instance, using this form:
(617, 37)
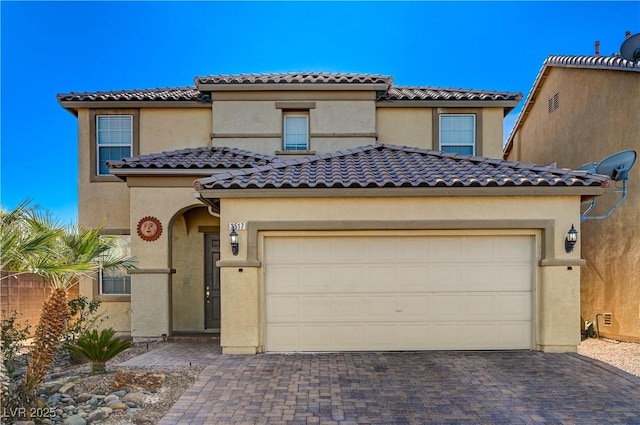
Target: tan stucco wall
(415, 127)
(99, 203)
(165, 129)
(405, 126)
(558, 323)
(492, 126)
(256, 125)
(597, 116)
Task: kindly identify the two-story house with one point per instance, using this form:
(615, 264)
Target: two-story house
(326, 212)
(580, 110)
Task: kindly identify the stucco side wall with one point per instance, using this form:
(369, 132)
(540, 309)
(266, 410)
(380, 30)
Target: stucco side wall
(492, 126)
(558, 322)
(164, 129)
(405, 126)
(596, 117)
(99, 203)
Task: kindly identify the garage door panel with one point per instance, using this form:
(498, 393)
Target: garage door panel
(398, 293)
(348, 278)
(348, 308)
(315, 279)
(348, 337)
(413, 278)
(283, 308)
(315, 308)
(479, 277)
(445, 278)
(514, 306)
(283, 279)
(381, 278)
(446, 307)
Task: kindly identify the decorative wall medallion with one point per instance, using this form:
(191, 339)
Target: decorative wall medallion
(149, 228)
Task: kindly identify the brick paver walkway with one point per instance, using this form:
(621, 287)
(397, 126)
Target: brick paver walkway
(406, 388)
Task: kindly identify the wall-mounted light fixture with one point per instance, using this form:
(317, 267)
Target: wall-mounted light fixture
(571, 239)
(233, 240)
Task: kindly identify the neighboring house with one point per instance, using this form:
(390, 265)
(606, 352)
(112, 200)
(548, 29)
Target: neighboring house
(347, 239)
(582, 109)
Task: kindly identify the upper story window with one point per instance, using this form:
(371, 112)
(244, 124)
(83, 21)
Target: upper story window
(458, 133)
(114, 138)
(296, 131)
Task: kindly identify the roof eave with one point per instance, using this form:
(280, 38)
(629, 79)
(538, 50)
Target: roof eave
(466, 103)
(582, 191)
(78, 104)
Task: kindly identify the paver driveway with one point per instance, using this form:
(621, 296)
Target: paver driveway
(409, 388)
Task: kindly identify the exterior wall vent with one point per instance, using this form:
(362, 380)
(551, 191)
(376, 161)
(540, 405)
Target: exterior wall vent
(554, 102)
(608, 319)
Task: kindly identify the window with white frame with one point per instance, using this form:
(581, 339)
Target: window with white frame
(116, 282)
(296, 132)
(458, 133)
(114, 139)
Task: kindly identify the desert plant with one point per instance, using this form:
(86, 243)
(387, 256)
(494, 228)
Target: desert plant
(84, 317)
(12, 338)
(99, 347)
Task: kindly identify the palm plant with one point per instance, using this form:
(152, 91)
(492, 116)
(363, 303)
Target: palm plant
(99, 347)
(31, 242)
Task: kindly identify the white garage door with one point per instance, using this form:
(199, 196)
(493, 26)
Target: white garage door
(349, 293)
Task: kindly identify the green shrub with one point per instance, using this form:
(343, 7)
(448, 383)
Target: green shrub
(12, 338)
(83, 318)
(99, 347)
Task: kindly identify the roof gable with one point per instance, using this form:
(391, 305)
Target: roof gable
(595, 63)
(386, 166)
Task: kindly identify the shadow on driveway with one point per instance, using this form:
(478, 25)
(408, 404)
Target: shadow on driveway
(517, 387)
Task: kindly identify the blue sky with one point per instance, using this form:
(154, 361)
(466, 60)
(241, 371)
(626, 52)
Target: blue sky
(59, 47)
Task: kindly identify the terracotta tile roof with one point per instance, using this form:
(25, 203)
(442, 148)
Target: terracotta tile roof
(385, 166)
(598, 62)
(194, 158)
(159, 94)
(436, 93)
(296, 78)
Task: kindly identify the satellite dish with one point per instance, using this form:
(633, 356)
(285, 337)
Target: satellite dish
(630, 49)
(617, 166)
(590, 167)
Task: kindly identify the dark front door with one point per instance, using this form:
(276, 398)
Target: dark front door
(211, 281)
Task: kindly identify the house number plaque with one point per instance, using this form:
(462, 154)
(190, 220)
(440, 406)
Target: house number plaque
(149, 228)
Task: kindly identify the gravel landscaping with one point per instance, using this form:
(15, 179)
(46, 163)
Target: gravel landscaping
(623, 355)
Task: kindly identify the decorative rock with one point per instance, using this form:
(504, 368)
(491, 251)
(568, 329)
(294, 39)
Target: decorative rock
(131, 404)
(110, 397)
(82, 397)
(24, 423)
(118, 406)
(93, 401)
(140, 380)
(54, 399)
(136, 397)
(120, 393)
(112, 402)
(66, 387)
(75, 420)
(96, 416)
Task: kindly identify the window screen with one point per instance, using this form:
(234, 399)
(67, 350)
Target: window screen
(296, 132)
(458, 134)
(114, 136)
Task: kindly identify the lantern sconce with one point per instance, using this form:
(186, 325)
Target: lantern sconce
(571, 239)
(233, 240)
